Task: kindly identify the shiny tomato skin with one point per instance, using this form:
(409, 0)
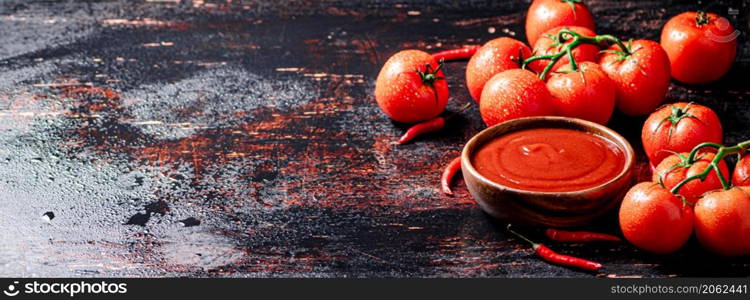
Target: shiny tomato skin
(401, 93)
(493, 57)
(545, 45)
(722, 221)
(586, 94)
(655, 220)
(544, 15)
(688, 132)
(699, 53)
(671, 175)
(741, 175)
(641, 79)
(513, 94)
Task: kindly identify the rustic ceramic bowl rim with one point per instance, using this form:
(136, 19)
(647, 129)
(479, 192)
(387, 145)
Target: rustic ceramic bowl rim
(617, 139)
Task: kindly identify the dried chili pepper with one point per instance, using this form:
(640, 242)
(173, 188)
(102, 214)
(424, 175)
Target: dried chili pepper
(579, 236)
(456, 54)
(431, 125)
(448, 173)
(559, 259)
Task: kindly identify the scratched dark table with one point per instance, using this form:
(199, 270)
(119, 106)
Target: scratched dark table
(241, 138)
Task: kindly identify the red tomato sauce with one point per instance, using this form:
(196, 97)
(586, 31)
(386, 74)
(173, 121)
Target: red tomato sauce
(549, 160)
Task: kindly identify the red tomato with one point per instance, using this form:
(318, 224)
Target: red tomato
(674, 168)
(655, 220)
(544, 15)
(547, 44)
(679, 127)
(514, 94)
(741, 174)
(701, 46)
(585, 94)
(410, 88)
(641, 78)
(494, 57)
(722, 221)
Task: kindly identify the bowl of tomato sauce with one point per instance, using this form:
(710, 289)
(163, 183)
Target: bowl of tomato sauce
(548, 171)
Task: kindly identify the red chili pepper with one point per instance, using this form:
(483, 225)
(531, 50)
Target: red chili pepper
(448, 173)
(456, 54)
(559, 259)
(565, 260)
(422, 128)
(431, 125)
(579, 236)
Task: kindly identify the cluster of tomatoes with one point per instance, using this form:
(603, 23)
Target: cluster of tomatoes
(572, 71)
(690, 189)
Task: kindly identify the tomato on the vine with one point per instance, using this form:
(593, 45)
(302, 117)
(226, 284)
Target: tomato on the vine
(641, 75)
(655, 220)
(544, 15)
(514, 94)
(550, 43)
(679, 127)
(722, 221)
(411, 87)
(701, 46)
(741, 174)
(587, 93)
(675, 168)
(494, 57)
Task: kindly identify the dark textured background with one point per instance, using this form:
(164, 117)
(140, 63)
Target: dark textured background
(218, 138)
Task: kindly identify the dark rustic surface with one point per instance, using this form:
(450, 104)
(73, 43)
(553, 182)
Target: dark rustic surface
(241, 138)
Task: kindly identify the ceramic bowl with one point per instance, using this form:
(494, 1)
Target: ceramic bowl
(551, 209)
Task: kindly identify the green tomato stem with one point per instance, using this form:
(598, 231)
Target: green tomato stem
(533, 58)
(577, 40)
(723, 151)
(724, 183)
(694, 152)
(573, 64)
(702, 18)
(533, 244)
(612, 39)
